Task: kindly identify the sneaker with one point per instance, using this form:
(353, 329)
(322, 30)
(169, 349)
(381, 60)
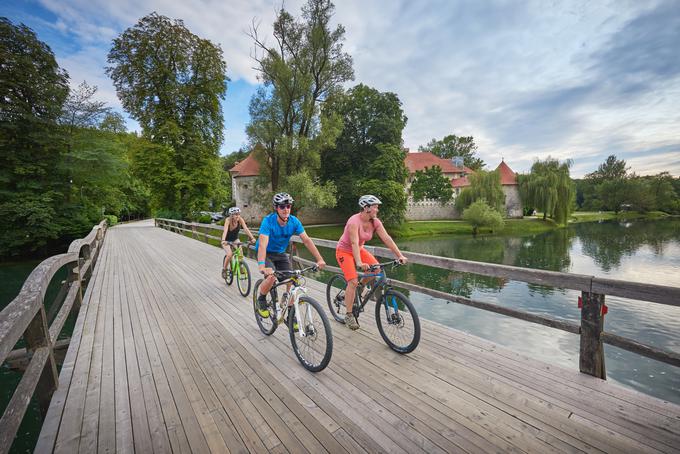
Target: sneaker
(295, 323)
(224, 274)
(262, 306)
(351, 322)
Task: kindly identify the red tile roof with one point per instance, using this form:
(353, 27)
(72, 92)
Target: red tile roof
(508, 177)
(460, 182)
(421, 160)
(247, 168)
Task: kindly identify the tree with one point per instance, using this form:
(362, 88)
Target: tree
(172, 81)
(32, 92)
(369, 146)
(483, 185)
(309, 192)
(452, 146)
(549, 188)
(113, 122)
(480, 214)
(306, 67)
(431, 184)
(610, 169)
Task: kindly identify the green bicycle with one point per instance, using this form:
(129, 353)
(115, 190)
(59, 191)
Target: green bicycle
(237, 268)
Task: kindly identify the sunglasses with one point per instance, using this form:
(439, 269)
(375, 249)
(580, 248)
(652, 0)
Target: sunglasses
(284, 207)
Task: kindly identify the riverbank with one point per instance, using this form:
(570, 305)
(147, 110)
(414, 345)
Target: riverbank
(528, 226)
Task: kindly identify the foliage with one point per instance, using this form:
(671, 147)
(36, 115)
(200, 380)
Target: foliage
(306, 68)
(480, 214)
(431, 184)
(368, 147)
(113, 122)
(111, 219)
(392, 196)
(452, 146)
(611, 169)
(549, 189)
(309, 192)
(172, 81)
(483, 185)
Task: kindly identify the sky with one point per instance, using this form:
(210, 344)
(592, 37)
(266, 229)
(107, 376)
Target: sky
(577, 80)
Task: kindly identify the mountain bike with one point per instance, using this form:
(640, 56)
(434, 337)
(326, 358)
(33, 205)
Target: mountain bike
(395, 315)
(308, 325)
(237, 268)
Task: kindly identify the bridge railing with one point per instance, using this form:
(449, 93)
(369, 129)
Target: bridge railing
(593, 291)
(25, 317)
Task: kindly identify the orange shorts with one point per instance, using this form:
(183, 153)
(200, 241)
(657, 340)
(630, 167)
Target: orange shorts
(346, 261)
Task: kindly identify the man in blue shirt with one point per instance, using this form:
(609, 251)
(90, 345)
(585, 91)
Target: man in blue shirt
(274, 236)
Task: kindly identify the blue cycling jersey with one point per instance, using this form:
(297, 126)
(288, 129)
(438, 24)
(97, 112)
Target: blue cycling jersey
(279, 236)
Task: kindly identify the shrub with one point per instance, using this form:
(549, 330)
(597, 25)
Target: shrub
(111, 219)
(479, 214)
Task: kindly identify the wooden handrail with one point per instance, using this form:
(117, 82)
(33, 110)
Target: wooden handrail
(593, 290)
(25, 317)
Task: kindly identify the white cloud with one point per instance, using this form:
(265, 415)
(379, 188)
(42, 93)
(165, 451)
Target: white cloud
(526, 79)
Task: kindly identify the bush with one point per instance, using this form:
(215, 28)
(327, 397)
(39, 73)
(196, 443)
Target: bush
(111, 219)
(204, 219)
(168, 214)
(479, 214)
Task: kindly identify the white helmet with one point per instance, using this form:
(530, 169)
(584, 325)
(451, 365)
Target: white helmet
(368, 200)
(282, 198)
(234, 210)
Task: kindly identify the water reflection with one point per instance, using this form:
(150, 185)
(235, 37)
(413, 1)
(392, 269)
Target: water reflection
(634, 251)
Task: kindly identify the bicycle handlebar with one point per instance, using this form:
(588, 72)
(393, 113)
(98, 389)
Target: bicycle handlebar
(378, 266)
(281, 275)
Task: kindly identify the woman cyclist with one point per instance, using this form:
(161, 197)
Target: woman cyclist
(350, 251)
(232, 226)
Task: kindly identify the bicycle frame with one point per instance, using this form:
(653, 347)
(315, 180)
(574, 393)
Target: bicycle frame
(297, 290)
(380, 285)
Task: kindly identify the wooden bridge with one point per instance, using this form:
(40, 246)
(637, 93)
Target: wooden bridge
(165, 358)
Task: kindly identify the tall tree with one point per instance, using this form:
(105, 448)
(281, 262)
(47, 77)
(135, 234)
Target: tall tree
(172, 81)
(32, 92)
(483, 186)
(368, 148)
(453, 145)
(431, 184)
(304, 68)
(549, 188)
(611, 169)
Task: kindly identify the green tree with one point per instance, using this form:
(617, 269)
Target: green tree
(483, 185)
(113, 122)
(431, 184)
(611, 169)
(368, 147)
(480, 214)
(390, 193)
(172, 81)
(453, 145)
(309, 192)
(305, 68)
(32, 92)
(549, 188)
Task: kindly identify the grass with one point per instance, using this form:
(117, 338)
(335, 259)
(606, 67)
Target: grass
(415, 229)
(592, 216)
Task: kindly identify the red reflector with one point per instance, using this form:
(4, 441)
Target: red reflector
(580, 302)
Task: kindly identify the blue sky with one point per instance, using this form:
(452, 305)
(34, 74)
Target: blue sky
(574, 80)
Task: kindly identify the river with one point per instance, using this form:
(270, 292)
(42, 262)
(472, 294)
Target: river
(641, 251)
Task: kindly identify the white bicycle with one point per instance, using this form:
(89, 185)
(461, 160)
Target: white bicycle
(308, 325)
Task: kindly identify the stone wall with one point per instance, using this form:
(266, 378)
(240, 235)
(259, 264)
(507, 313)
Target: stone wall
(430, 209)
(513, 203)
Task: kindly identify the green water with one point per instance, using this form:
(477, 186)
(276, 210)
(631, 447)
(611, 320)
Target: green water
(12, 277)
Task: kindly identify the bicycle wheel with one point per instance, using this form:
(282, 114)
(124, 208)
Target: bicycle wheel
(335, 296)
(315, 348)
(267, 324)
(243, 278)
(398, 322)
(230, 276)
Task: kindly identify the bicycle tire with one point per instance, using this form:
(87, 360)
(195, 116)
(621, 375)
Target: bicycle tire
(230, 276)
(304, 347)
(335, 297)
(266, 324)
(243, 279)
(391, 327)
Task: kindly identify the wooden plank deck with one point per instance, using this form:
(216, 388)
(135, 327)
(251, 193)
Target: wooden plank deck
(165, 358)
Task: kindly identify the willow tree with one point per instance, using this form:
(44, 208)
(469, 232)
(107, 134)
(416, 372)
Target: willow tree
(483, 185)
(305, 67)
(549, 188)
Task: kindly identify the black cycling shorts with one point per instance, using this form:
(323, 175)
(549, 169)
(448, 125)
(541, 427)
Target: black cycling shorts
(278, 261)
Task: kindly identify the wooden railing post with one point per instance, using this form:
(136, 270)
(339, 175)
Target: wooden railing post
(591, 360)
(74, 278)
(37, 335)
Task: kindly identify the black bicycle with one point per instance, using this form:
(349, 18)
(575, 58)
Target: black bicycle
(308, 325)
(395, 315)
